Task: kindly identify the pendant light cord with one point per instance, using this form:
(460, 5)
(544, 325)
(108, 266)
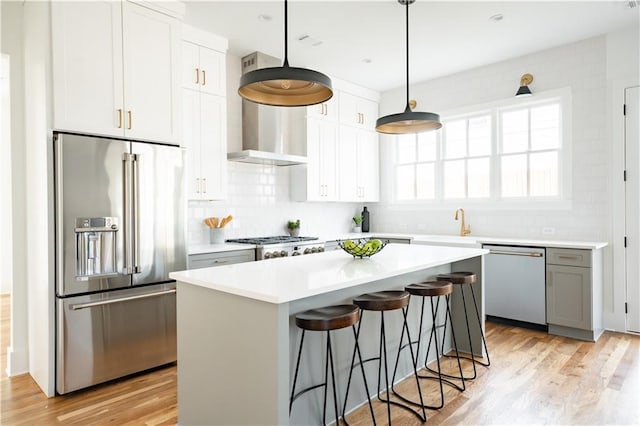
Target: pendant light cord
(408, 108)
(286, 36)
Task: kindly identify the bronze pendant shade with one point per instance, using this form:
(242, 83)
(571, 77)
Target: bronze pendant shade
(408, 121)
(285, 85)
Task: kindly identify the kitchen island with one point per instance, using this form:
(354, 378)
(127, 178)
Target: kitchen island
(237, 336)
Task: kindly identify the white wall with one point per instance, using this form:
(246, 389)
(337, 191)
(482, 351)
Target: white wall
(6, 242)
(258, 196)
(39, 186)
(12, 44)
(581, 66)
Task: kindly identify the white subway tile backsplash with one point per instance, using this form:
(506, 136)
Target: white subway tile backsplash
(258, 199)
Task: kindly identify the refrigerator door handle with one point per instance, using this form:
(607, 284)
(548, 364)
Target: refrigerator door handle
(136, 214)
(79, 306)
(127, 164)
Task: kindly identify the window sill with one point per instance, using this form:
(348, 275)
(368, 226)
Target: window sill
(486, 205)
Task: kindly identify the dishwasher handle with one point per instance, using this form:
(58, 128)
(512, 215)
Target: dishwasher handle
(516, 253)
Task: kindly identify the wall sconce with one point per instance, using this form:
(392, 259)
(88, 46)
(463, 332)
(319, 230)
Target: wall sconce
(525, 81)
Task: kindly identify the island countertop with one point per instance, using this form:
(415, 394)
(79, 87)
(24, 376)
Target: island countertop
(287, 279)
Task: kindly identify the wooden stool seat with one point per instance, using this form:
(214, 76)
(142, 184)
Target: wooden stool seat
(458, 277)
(328, 318)
(383, 300)
(430, 288)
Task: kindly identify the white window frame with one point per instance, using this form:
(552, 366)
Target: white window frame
(495, 201)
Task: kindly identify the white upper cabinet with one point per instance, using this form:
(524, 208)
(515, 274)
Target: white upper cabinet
(316, 180)
(204, 113)
(327, 110)
(115, 70)
(357, 111)
(203, 69)
(150, 53)
(204, 137)
(358, 165)
(87, 67)
(342, 152)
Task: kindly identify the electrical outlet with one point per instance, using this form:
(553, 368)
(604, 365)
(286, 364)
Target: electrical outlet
(548, 231)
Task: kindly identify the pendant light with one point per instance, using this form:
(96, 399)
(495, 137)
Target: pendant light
(285, 85)
(408, 121)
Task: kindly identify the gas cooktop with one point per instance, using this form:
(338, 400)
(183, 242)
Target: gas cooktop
(279, 239)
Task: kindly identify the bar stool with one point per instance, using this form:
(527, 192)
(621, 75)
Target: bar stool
(382, 302)
(326, 319)
(462, 279)
(431, 289)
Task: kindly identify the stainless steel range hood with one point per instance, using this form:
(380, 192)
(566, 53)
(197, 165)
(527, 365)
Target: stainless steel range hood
(270, 135)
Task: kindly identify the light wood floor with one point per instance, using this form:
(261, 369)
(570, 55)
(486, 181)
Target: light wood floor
(534, 379)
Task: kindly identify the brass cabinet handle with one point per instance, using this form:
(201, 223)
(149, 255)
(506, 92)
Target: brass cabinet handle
(197, 75)
(119, 118)
(204, 185)
(567, 257)
(197, 185)
(204, 78)
(130, 116)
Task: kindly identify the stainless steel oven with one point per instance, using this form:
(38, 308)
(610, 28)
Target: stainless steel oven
(282, 246)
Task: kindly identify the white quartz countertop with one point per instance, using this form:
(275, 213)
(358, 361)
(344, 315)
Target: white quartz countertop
(473, 240)
(441, 240)
(217, 248)
(292, 278)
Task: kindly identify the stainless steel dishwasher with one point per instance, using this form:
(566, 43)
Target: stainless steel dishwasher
(514, 280)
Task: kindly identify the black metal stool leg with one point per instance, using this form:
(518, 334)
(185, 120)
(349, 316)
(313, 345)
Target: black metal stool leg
(295, 376)
(484, 341)
(356, 349)
(439, 373)
(333, 377)
(383, 347)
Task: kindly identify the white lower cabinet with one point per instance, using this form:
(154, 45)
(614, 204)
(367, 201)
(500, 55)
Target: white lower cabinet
(358, 165)
(204, 137)
(207, 260)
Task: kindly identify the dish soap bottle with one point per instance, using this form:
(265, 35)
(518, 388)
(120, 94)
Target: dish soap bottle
(365, 220)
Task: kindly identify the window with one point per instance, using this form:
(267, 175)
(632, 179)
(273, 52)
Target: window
(530, 150)
(508, 150)
(466, 159)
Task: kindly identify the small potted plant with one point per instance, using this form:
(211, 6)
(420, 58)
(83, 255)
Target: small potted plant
(357, 221)
(294, 227)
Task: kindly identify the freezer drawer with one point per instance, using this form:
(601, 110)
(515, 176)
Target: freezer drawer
(104, 336)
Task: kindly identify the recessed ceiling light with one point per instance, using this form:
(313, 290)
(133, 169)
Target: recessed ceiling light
(308, 40)
(497, 17)
(265, 18)
(366, 60)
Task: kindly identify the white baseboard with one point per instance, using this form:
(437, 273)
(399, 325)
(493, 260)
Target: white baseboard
(17, 361)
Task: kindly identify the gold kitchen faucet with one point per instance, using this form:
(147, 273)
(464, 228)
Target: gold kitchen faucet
(463, 230)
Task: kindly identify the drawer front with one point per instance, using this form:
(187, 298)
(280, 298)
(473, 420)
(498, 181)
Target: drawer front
(207, 260)
(569, 257)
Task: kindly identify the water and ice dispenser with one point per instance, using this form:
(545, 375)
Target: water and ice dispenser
(96, 240)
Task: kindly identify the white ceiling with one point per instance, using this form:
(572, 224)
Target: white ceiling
(445, 36)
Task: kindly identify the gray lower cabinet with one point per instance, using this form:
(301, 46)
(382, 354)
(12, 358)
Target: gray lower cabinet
(574, 293)
(207, 260)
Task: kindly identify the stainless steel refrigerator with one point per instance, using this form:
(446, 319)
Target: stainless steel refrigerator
(120, 230)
